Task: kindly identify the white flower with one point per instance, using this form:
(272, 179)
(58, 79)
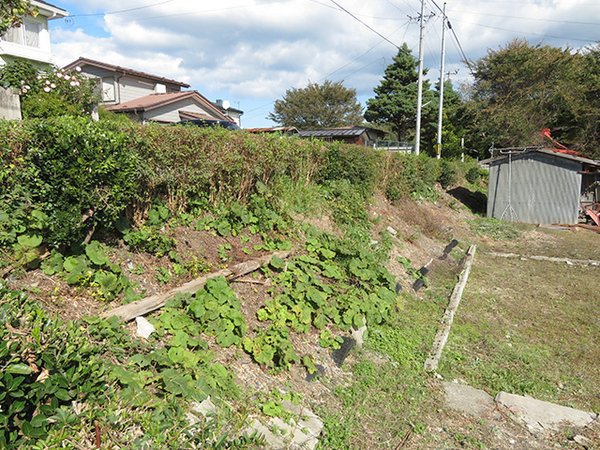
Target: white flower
(67, 77)
(47, 81)
(78, 69)
(47, 89)
(27, 87)
(73, 83)
(59, 74)
(53, 86)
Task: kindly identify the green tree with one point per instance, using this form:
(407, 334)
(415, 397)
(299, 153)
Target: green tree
(591, 121)
(521, 89)
(452, 126)
(395, 100)
(12, 12)
(328, 105)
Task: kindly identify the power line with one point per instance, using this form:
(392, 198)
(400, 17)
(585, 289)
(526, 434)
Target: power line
(357, 14)
(358, 57)
(528, 18)
(366, 25)
(527, 32)
(462, 52)
(121, 11)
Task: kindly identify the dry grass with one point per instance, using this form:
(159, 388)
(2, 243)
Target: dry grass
(531, 327)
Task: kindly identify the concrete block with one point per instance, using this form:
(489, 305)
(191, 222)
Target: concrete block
(540, 415)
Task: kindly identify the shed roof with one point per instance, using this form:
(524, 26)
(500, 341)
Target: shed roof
(293, 130)
(136, 73)
(153, 101)
(350, 131)
(553, 152)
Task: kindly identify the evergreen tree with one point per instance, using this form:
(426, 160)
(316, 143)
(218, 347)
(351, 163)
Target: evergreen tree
(328, 105)
(395, 100)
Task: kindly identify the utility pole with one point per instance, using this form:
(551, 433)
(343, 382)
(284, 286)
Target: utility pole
(420, 83)
(438, 149)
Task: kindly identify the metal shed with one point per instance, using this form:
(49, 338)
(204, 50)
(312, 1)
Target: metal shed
(539, 185)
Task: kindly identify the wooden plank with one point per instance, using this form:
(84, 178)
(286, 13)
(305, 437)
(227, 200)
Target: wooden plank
(146, 305)
(431, 364)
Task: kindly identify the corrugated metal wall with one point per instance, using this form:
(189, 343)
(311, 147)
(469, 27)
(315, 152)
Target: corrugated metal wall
(543, 189)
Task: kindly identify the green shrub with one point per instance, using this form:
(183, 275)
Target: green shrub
(47, 366)
(349, 207)
(409, 175)
(80, 174)
(356, 164)
(448, 174)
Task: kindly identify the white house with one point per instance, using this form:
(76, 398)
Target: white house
(145, 97)
(31, 40)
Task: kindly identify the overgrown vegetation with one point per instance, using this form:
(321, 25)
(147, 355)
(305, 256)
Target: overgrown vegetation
(73, 189)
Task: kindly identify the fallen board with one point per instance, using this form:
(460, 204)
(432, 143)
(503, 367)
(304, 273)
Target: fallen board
(142, 307)
(431, 364)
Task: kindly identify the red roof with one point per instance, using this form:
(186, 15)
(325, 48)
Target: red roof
(153, 101)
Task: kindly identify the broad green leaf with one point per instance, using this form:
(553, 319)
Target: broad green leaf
(277, 262)
(19, 369)
(30, 240)
(63, 395)
(95, 251)
(272, 409)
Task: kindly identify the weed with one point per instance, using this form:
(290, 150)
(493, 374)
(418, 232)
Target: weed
(495, 229)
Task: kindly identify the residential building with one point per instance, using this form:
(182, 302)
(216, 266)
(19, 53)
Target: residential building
(145, 97)
(31, 41)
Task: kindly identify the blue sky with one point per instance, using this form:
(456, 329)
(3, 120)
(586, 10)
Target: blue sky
(250, 51)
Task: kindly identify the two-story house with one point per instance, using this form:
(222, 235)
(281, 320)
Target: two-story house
(31, 41)
(145, 97)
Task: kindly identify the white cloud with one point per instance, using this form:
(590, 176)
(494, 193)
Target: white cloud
(253, 50)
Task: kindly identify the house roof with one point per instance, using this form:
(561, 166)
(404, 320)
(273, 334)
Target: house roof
(560, 153)
(350, 131)
(136, 73)
(292, 130)
(56, 12)
(153, 101)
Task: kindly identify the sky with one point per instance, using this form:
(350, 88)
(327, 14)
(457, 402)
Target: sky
(250, 52)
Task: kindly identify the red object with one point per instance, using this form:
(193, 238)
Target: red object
(594, 212)
(546, 133)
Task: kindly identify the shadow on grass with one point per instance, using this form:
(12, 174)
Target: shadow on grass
(475, 201)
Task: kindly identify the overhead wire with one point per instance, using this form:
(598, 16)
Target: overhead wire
(570, 22)
(121, 11)
(365, 24)
(360, 56)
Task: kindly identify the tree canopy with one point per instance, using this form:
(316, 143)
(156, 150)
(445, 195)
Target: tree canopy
(395, 100)
(12, 12)
(318, 106)
(521, 89)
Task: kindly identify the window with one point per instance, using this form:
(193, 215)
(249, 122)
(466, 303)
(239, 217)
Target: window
(27, 34)
(31, 32)
(108, 89)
